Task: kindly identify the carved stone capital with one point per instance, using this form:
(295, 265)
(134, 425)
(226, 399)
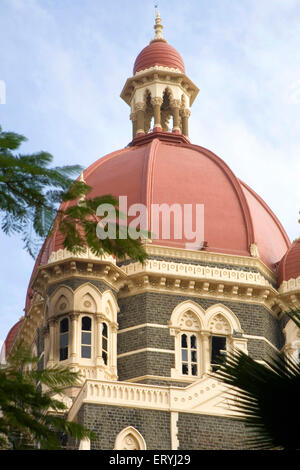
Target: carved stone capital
(156, 101)
(175, 103)
(140, 106)
(133, 117)
(185, 112)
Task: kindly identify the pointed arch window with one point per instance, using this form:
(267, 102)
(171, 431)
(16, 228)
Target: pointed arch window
(217, 350)
(189, 354)
(202, 338)
(86, 337)
(63, 339)
(105, 343)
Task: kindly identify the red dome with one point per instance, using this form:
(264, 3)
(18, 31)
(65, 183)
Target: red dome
(168, 170)
(158, 53)
(289, 267)
(12, 334)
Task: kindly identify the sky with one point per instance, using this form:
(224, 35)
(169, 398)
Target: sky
(64, 63)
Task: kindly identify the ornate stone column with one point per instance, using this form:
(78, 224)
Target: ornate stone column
(113, 350)
(185, 114)
(176, 118)
(156, 103)
(134, 122)
(140, 117)
(53, 343)
(74, 337)
(205, 366)
(99, 320)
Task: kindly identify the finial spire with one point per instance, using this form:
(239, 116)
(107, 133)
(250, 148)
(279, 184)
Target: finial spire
(158, 27)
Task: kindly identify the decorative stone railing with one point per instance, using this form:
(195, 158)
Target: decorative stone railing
(191, 399)
(196, 271)
(63, 254)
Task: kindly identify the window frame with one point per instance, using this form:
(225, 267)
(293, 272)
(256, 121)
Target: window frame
(86, 345)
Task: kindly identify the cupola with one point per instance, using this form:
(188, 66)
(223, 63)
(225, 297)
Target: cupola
(159, 91)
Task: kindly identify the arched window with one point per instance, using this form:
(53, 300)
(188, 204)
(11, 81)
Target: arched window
(189, 354)
(202, 338)
(63, 339)
(104, 343)
(217, 351)
(130, 439)
(86, 337)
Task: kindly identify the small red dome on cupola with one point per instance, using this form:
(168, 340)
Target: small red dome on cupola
(158, 53)
(289, 267)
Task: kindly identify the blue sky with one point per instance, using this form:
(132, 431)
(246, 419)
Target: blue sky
(64, 63)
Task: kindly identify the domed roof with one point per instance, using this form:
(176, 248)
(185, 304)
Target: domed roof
(158, 52)
(289, 267)
(164, 169)
(12, 334)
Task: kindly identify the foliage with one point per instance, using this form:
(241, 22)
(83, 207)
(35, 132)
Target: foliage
(31, 192)
(267, 396)
(26, 395)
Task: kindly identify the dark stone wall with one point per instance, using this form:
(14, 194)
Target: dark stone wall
(201, 432)
(195, 432)
(145, 363)
(155, 307)
(74, 282)
(150, 337)
(108, 421)
(152, 307)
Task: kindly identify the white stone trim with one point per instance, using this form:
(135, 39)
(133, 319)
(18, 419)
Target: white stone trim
(85, 444)
(211, 257)
(206, 396)
(174, 430)
(289, 286)
(137, 351)
(120, 443)
(160, 68)
(192, 271)
(142, 325)
(262, 338)
(63, 254)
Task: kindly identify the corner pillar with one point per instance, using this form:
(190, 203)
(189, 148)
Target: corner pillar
(134, 123)
(185, 114)
(140, 118)
(156, 103)
(176, 117)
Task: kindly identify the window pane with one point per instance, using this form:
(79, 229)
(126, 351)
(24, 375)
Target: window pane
(184, 355)
(86, 324)
(183, 341)
(64, 325)
(185, 370)
(104, 329)
(193, 342)
(63, 354)
(104, 344)
(194, 356)
(86, 338)
(64, 340)
(218, 343)
(104, 355)
(86, 351)
(194, 369)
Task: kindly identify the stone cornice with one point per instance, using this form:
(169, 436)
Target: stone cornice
(198, 280)
(292, 285)
(66, 268)
(159, 74)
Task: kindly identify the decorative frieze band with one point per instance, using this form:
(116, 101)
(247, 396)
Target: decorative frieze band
(196, 271)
